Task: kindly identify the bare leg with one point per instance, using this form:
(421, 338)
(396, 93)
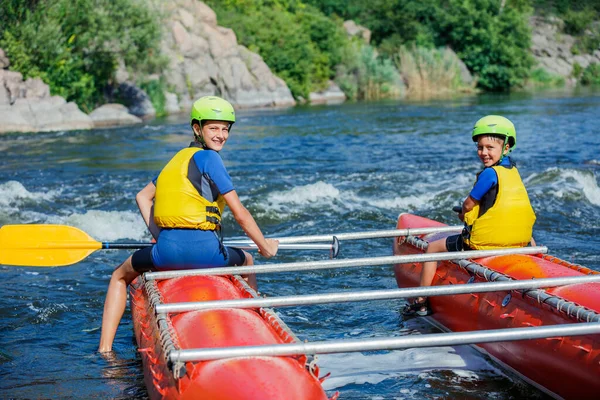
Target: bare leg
(250, 278)
(114, 305)
(429, 268)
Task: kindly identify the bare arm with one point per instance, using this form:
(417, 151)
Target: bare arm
(145, 202)
(467, 206)
(266, 247)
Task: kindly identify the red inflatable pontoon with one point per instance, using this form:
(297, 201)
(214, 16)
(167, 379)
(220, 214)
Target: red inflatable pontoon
(565, 367)
(291, 378)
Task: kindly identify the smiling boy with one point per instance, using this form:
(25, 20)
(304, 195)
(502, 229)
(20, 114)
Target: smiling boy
(497, 212)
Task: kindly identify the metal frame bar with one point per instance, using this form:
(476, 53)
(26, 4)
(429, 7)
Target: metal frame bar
(354, 262)
(364, 235)
(556, 303)
(395, 343)
(290, 301)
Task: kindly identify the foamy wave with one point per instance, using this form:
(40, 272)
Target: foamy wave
(13, 193)
(327, 196)
(404, 203)
(107, 225)
(568, 182)
(358, 368)
(319, 192)
(588, 183)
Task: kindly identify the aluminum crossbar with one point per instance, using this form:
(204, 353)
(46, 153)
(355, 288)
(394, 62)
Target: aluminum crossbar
(289, 301)
(284, 246)
(354, 262)
(365, 235)
(395, 343)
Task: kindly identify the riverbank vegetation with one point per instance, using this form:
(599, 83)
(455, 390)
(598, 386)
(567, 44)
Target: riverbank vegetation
(416, 47)
(75, 46)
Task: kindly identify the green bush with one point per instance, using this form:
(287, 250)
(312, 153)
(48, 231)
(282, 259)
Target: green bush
(493, 42)
(543, 79)
(430, 71)
(576, 22)
(591, 75)
(155, 89)
(296, 40)
(75, 45)
(363, 75)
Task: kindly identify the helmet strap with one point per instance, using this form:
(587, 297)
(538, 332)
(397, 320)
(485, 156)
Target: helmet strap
(502, 152)
(199, 137)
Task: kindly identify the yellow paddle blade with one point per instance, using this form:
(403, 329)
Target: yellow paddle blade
(44, 245)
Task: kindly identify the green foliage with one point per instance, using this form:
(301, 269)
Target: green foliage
(577, 70)
(493, 42)
(155, 89)
(430, 72)
(363, 75)
(576, 22)
(560, 7)
(591, 75)
(543, 79)
(296, 40)
(74, 45)
(588, 42)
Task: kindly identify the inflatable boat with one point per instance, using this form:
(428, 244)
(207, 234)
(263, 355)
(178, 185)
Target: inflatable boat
(564, 367)
(157, 334)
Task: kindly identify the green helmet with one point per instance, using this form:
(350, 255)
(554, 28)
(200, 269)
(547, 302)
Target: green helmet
(496, 125)
(212, 108)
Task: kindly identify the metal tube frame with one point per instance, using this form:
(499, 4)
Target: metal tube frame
(355, 262)
(395, 343)
(291, 301)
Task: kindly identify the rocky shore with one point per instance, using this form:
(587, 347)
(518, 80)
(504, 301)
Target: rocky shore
(205, 59)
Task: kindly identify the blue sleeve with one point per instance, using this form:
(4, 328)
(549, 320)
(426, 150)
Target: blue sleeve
(486, 179)
(213, 166)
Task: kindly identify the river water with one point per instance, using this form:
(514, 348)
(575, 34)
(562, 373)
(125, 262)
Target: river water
(302, 171)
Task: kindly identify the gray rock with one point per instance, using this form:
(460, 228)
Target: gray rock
(205, 59)
(36, 88)
(171, 103)
(332, 95)
(47, 114)
(136, 99)
(4, 62)
(354, 30)
(113, 114)
(552, 49)
(28, 107)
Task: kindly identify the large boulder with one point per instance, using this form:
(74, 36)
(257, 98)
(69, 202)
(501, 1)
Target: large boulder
(205, 59)
(113, 115)
(552, 49)
(331, 95)
(27, 106)
(4, 63)
(354, 30)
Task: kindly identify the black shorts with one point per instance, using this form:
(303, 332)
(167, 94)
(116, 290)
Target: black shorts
(141, 260)
(456, 243)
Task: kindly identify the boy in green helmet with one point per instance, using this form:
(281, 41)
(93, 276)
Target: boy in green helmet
(183, 208)
(497, 212)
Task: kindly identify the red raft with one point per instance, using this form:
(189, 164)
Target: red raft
(228, 379)
(565, 367)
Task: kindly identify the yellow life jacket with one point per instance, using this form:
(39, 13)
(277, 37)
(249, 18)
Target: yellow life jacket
(508, 222)
(178, 204)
